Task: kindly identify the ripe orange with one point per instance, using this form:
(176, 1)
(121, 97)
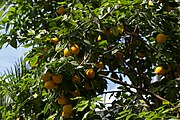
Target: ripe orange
(47, 76)
(49, 84)
(75, 93)
(100, 64)
(62, 100)
(66, 115)
(54, 40)
(99, 38)
(68, 108)
(90, 73)
(76, 78)
(67, 52)
(61, 10)
(161, 38)
(57, 78)
(168, 9)
(118, 55)
(140, 55)
(87, 86)
(159, 70)
(75, 49)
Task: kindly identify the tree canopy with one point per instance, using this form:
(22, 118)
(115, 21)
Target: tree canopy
(77, 46)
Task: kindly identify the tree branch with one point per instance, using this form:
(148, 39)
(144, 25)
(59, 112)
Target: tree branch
(132, 86)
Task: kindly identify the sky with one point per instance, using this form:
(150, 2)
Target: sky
(9, 55)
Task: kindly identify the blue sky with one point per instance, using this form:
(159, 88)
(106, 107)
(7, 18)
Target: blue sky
(9, 55)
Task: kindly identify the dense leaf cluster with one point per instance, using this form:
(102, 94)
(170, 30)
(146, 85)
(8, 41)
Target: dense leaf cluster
(121, 34)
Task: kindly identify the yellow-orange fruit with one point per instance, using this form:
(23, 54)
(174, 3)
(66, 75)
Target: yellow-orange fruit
(47, 76)
(161, 38)
(54, 40)
(76, 78)
(75, 49)
(87, 86)
(159, 70)
(49, 84)
(140, 55)
(57, 78)
(67, 115)
(67, 52)
(90, 73)
(61, 10)
(68, 108)
(168, 9)
(100, 64)
(118, 55)
(75, 93)
(99, 38)
(62, 100)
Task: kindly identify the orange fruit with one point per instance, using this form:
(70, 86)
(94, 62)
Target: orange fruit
(140, 55)
(61, 10)
(54, 40)
(100, 64)
(67, 52)
(99, 38)
(87, 86)
(75, 49)
(62, 100)
(118, 55)
(168, 9)
(159, 70)
(47, 76)
(75, 93)
(67, 108)
(49, 85)
(90, 73)
(161, 38)
(66, 115)
(76, 78)
(57, 78)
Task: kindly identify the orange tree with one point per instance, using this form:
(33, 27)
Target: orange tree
(79, 45)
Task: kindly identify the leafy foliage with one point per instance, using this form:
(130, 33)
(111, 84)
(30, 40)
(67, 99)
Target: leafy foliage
(119, 34)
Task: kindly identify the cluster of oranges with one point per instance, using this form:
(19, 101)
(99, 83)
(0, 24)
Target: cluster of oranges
(74, 49)
(53, 81)
(67, 110)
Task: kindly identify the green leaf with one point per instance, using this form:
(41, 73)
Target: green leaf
(165, 102)
(129, 116)
(93, 106)
(103, 43)
(46, 107)
(82, 105)
(124, 112)
(52, 117)
(31, 32)
(1, 13)
(13, 43)
(81, 108)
